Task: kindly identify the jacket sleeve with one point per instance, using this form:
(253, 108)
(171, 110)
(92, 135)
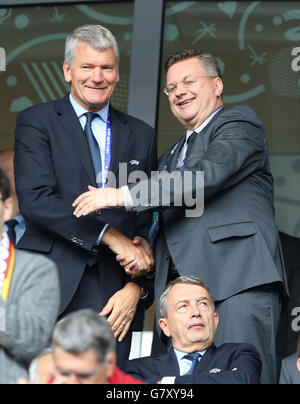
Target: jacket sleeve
(284, 373)
(244, 368)
(39, 198)
(145, 221)
(143, 228)
(31, 309)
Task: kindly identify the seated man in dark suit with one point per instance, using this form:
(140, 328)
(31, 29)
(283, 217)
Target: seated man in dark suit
(188, 317)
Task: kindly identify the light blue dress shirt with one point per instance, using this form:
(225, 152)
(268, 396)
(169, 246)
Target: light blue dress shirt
(185, 364)
(19, 228)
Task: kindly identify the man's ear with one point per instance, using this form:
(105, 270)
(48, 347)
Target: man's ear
(163, 323)
(298, 364)
(67, 72)
(8, 208)
(111, 363)
(218, 86)
(216, 320)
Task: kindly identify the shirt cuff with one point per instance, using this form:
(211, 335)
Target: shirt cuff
(101, 234)
(128, 201)
(168, 380)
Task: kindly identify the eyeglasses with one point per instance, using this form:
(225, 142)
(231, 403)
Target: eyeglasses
(186, 83)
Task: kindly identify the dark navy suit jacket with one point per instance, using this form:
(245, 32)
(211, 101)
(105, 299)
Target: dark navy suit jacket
(53, 166)
(228, 364)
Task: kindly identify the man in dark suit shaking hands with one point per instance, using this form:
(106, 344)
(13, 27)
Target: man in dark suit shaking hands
(61, 148)
(234, 245)
(188, 317)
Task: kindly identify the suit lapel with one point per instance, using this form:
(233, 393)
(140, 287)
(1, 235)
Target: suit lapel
(205, 361)
(78, 140)
(174, 154)
(120, 138)
(203, 139)
(167, 365)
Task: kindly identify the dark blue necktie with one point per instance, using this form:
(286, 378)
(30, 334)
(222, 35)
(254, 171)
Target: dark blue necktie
(94, 147)
(11, 231)
(189, 144)
(194, 358)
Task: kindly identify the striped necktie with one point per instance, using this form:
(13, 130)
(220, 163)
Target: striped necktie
(194, 358)
(94, 147)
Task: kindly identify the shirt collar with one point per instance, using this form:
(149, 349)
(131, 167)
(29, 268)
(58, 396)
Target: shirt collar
(20, 219)
(80, 111)
(205, 123)
(180, 355)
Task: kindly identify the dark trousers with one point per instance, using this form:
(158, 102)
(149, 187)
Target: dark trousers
(252, 316)
(88, 296)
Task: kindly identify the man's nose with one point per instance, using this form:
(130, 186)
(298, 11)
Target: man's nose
(180, 89)
(97, 75)
(195, 310)
(73, 379)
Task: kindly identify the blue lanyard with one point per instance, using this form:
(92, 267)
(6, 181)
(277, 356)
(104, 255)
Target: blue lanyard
(170, 157)
(107, 150)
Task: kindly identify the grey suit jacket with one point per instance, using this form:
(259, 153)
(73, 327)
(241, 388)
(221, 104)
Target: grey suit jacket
(289, 372)
(28, 316)
(234, 245)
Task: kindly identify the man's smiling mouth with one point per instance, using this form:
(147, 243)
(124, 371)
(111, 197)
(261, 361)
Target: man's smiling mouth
(183, 103)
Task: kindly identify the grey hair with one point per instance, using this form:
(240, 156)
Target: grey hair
(82, 331)
(96, 36)
(208, 61)
(183, 280)
(33, 368)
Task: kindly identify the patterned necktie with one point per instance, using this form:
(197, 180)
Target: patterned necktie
(194, 358)
(94, 147)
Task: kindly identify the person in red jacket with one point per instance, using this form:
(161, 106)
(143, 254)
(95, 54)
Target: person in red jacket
(83, 347)
(119, 377)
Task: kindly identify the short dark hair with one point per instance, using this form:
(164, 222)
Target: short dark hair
(298, 347)
(208, 61)
(5, 188)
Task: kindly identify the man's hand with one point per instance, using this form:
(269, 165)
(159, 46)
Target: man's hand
(130, 264)
(136, 254)
(121, 309)
(96, 199)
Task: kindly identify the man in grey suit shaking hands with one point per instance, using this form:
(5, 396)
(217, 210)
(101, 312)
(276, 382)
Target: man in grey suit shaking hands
(234, 245)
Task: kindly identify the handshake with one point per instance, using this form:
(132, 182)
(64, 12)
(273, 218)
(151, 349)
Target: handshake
(135, 256)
